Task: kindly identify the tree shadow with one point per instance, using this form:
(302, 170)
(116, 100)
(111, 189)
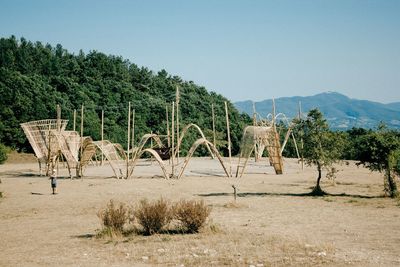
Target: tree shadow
(84, 236)
(264, 194)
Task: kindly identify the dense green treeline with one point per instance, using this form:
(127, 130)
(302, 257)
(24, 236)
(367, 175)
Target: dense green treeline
(34, 78)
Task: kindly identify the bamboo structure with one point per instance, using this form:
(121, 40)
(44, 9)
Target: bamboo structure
(133, 128)
(102, 135)
(213, 125)
(173, 140)
(229, 138)
(129, 141)
(192, 125)
(168, 133)
(177, 122)
(79, 169)
(74, 125)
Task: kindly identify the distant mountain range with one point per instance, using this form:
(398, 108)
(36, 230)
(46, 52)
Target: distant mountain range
(340, 111)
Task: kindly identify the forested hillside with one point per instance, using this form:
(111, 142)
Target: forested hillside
(34, 78)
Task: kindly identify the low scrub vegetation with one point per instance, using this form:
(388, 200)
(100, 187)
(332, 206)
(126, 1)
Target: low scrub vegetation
(114, 217)
(151, 217)
(192, 214)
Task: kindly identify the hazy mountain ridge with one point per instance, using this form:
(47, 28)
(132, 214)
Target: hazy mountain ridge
(341, 111)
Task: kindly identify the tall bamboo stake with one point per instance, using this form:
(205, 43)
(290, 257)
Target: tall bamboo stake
(58, 118)
(173, 138)
(177, 122)
(301, 140)
(213, 125)
(133, 128)
(273, 112)
(229, 139)
(255, 124)
(129, 140)
(74, 120)
(102, 136)
(168, 137)
(81, 148)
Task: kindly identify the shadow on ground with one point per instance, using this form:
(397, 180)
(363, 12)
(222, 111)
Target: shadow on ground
(263, 194)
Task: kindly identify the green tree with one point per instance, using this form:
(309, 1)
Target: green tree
(321, 147)
(3, 153)
(380, 151)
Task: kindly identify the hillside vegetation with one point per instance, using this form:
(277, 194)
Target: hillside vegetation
(34, 78)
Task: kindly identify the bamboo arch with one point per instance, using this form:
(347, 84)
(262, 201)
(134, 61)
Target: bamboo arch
(155, 155)
(113, 153)
(202, 141)
(187, 127)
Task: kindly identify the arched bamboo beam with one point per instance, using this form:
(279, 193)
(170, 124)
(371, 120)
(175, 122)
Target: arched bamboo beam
(202, 141)
(156, 156)
(187, 127)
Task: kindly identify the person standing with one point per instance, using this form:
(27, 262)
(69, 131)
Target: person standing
(53, 178)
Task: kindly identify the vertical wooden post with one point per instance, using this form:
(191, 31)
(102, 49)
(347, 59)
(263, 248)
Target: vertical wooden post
(74, 120)
(213, 125)
(168, 137)
(229, 139)
(177, 123)
(102, 136)
(81, 148)
(273, 112)
(58, 118)
(129, 140)
(255, 124)
(133, 128)
(301, 140)
(173, 138)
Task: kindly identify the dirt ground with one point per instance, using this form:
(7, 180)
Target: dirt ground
(271, 223)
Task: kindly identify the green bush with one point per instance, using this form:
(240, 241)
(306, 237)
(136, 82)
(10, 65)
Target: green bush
(3, 153)
(114, 217)
(153, 216)
(192, 214)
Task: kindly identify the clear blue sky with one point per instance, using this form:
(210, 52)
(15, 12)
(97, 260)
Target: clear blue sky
(241, 49)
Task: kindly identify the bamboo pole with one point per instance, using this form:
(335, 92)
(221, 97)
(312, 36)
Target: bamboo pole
(173, 138)
(129, 141)
(273, 112)
(81, 148)
(102, 136)
(74, 120)
(58, 118)
(177, 123)
(168, 133)
(301, 140)
(229, 139)
(133, 128)
(213, 125)
(255, 124)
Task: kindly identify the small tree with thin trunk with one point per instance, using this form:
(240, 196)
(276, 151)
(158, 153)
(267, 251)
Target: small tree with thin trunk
(380, 151)
(321, 147)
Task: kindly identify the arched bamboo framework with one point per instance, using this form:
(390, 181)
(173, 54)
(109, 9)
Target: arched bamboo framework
(187, 127)
(115, 155)
(202, 141)
(153, 153)
(264, 137)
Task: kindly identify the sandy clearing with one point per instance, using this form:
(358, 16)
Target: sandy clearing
(271, 224)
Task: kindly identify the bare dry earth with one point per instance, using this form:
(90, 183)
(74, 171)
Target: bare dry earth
(272, 223)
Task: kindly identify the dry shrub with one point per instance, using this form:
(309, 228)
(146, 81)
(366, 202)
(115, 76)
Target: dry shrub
(153, 216)
(114, 216)
(192, 214)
